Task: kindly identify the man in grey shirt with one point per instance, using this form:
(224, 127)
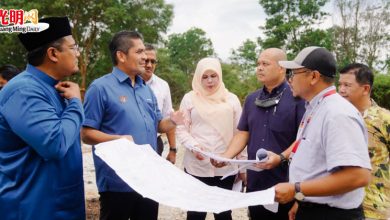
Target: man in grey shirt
(329, 160)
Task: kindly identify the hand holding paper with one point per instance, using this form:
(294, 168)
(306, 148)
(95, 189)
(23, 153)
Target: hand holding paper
(175, 188)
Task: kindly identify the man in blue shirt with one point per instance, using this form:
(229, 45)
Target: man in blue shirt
(41, 172)
(269, 120)
(118, 105)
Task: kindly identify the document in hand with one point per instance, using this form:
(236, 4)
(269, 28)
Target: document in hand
(261, 156)
(156, 178)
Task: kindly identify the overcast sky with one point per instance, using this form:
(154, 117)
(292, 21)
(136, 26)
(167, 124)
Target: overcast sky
(228, 23)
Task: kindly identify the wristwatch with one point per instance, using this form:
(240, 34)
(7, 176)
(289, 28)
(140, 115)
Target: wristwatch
(283, 160)
(173, 149)
(298, 194)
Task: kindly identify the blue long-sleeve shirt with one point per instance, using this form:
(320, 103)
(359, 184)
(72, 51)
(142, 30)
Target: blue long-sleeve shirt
(41, 173)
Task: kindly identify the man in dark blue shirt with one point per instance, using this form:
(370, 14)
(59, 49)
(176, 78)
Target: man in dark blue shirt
(41, 171)
(270, 120)
(118, 105)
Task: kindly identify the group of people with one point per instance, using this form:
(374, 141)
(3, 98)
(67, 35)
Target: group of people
(317, 142)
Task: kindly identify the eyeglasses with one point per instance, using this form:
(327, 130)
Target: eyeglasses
(75, 48)
(270, 102)
(152, 61)
(291, 73)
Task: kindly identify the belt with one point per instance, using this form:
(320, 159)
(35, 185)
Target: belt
(324, 206)
(313, 205)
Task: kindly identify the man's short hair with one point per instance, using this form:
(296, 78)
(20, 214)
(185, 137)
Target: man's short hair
(122, 41)
(149, 47)
(362, 72)
(9, 71)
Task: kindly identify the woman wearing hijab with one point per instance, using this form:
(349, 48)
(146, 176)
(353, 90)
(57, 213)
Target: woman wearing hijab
(212, 113)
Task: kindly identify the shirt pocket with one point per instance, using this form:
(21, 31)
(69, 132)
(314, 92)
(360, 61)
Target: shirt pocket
(149, 105)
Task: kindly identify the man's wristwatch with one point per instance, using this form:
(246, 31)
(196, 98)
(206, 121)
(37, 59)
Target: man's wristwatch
(283, 160)
(298, 194)
(173, 149)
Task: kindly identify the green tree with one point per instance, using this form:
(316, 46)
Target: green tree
(291, 24)
(12, 51)
(246, 58)
(96, 21)
(179, 82)
(361, 35)
(381, 90)
(235, 84)
(186, 49)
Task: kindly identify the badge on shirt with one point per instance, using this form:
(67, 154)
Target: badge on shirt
(123, 99)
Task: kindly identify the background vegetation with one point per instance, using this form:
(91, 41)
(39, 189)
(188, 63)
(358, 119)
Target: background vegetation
(360, 34)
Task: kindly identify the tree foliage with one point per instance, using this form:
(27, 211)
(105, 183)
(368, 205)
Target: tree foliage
(245, 57)
(361, 35)
(291, 24)
(96, 21)
(187, 48)
(381, 90)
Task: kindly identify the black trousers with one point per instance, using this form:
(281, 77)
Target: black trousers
(226, 183)
(309, 211)
(127, 205)
(160, 145)
(259, 212)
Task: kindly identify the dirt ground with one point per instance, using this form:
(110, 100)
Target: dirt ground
(165, 212)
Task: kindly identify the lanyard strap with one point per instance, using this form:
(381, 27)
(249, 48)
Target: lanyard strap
(304, 123)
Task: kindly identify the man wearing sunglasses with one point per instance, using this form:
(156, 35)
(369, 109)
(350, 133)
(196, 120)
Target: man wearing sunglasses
(269, 120)
(163, 94)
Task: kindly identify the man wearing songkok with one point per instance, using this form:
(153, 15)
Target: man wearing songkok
(41, 172)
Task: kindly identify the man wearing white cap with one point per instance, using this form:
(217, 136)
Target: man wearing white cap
(329, 159)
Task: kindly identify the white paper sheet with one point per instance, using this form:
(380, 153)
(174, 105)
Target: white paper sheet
(243, 164)
(237, 186)
(222, 159)
(156, 178)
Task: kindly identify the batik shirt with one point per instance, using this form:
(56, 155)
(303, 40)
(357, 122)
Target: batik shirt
(377, 200)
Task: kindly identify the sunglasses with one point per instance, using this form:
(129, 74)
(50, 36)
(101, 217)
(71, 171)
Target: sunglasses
(151, 61)
(270, 102)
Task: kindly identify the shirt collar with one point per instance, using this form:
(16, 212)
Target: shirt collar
(276, 91)
(41, 75)
(318, 97)
(151, 80)
(373, 104)
(122, 77)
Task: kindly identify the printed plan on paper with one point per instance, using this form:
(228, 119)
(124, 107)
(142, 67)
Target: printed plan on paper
(156, 178)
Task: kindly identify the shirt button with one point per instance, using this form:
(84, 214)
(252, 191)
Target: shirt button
(262, 139)
(265, 125)
(266, 111)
